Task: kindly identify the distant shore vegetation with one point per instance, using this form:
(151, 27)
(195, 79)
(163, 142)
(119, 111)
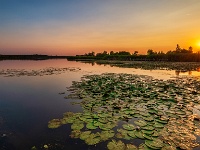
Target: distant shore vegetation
(177, 55)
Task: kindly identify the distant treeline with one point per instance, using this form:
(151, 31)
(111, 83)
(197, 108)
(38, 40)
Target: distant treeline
(177, 55)
(29, 57)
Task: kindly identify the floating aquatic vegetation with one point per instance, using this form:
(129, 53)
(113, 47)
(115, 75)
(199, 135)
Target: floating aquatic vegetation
(140, 123)
(75, 134)
(124, 134)
(131, 147)
(105, 135)
(55, 123)
(154, 144)
(39, 72)
(162, 113)
(85, 135)
(150, 65)
(129, 127)
(91, 126)
(93, 139)
(116, 145)
(77, 126)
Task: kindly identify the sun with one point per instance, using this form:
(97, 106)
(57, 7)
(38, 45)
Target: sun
(197, 43)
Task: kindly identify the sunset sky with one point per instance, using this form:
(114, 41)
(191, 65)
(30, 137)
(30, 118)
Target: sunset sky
(70, 27)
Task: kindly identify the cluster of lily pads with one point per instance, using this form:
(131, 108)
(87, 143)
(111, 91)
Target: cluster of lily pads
(40, 72)
(152, 65)
(119, 108)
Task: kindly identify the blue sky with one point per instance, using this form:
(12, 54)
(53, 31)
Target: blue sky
(79, 26)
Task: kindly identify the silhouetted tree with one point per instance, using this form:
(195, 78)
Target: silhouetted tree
(190, 49)
(150, 52)
(124, 53)
(135, 53)
(178, 48)
(112, 53)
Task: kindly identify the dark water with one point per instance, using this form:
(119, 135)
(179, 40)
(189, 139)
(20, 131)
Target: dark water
(27, 103)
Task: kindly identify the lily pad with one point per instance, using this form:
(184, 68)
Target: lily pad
(77, 126)
(139, 134)
(132, 134)
(158, 125)
(129, 127)
(116, 145)
(84, 135)
(75, 134)
(92, 139)
(105, 135)
(149, 132)
(91, 126)
(144, 147)
(148, 127)
(140, 123)
(131, 147)
(155, 144)
(55, 123)
(107, 126)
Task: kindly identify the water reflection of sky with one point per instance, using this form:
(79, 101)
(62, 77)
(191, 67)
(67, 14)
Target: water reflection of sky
(89, 68)
(27, 103)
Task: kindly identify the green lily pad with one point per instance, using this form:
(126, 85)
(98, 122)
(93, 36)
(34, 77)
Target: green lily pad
(91, 126)
(161, 121)
(153, 111)
(123, 134)
(150, 118)
(84, 135)
(155, 144)
(139, 134)
(103, 120)
(148, 137)
(116, 145)
(137, 115)
(155, 134)
(55, 123)
(148, 127)
(75, 134)
(129, 127)
(149, 132)
(119, 135)
(107, 126)
(105, 135)
(77, 126)
(68, 114)
(158, 125)
(140, 123)
(131, 147)
(70, 119)
(144, 147)
(127, 112)
(132, 134)
(145, 114)
(63, 121)
(97, 123)
(92, 139)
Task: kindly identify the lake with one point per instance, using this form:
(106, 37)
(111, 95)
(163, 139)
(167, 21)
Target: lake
(32, 93)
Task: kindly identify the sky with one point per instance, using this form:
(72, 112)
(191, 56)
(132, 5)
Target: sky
(70, 27)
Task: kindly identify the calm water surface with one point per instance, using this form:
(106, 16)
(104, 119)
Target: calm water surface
(27, 103)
